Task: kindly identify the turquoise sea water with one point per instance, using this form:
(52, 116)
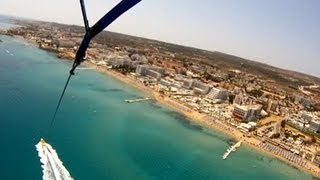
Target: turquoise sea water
(99, 136)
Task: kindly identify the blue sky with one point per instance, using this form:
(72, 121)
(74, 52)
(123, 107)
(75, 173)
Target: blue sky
(284, 33)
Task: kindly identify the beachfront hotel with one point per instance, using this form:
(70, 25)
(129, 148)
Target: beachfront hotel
(247, 113)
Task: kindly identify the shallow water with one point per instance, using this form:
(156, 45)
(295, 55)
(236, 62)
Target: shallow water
(99, 136)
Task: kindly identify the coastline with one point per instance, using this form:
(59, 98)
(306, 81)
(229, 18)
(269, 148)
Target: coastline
(201, 119)
(196, 117)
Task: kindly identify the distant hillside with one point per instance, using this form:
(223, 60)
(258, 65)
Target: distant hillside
(183, 53)
(214, 58)
(269, 71)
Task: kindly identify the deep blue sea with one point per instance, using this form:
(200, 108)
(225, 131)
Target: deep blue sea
(99, 136)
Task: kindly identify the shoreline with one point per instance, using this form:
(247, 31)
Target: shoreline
(203, 120)
(200, 119)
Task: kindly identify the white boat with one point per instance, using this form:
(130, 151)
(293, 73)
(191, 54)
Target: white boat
(52, 166)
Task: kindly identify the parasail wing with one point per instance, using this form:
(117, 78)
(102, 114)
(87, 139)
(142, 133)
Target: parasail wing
(105, 21)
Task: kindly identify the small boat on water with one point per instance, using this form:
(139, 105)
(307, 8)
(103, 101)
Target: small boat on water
(52, 166)
(7, 51)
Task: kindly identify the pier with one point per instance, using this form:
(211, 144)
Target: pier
(137, 100)
(231, 149)
(85, 68)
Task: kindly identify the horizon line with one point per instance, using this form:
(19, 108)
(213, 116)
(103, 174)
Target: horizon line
(172, 43)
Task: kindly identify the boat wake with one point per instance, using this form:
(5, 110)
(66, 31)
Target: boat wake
(52, 166)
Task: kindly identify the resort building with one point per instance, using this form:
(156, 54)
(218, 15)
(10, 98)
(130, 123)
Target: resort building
(187, 83)
(247, 113)
(306, 116)
(302, 100)
(238, 99)
(151, 71)
(216, 93)
(273, 106)
(247, 127)
(315, 125)
(164, 82)
(200, 87)
(153, 74)
(141, 70)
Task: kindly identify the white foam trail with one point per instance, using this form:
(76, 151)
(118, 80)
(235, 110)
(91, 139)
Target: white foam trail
(52, 166)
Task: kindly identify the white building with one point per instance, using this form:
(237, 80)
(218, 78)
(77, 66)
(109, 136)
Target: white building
(164, 82)
(306, 116)
(216, 93)
(176, 84)
(315, 125)
(238, 99)
(187, 83)
(139, 58)
(101, 63)
(118, 62)
(245, 128)
(273, 106)
(247, 113)
(141, 70)
(240, 111)
(154, 74)
(200, 87)
(302, 100)
(254, 112)
(151, 71)
(197, 86)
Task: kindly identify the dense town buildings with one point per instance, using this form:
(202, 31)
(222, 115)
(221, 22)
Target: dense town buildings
(256, 106)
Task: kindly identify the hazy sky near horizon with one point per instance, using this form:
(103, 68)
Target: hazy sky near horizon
(284, 33)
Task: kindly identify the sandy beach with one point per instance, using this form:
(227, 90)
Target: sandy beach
(201, 119)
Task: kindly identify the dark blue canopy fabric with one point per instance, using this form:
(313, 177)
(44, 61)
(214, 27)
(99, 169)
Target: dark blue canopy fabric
(105, 21)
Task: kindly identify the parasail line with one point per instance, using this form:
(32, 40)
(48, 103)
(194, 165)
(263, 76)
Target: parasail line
(60, 100)
(105, 21)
